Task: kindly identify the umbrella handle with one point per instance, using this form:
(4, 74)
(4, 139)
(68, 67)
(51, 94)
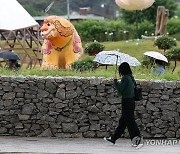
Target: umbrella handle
(116, 67)
(153, 63)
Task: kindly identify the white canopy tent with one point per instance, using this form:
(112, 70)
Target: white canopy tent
(19, 31)
(14, 16)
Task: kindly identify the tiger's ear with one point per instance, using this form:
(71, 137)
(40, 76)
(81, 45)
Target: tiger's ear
(63, 31)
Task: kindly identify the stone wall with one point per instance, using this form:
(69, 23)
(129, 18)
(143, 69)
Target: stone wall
(83, 107)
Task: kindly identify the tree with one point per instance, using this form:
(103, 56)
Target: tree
(150, 13)
(174, 54)
(177, 13)
(37, 7)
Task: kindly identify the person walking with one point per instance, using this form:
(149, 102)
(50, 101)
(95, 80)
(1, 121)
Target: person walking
(126, 89)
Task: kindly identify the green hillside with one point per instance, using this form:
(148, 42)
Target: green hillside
(37, 7)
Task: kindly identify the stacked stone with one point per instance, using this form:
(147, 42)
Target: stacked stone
(83, 107)
(158, 114)
(55, 106)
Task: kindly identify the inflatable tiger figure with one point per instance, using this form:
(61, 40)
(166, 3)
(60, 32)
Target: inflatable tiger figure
(62, 44)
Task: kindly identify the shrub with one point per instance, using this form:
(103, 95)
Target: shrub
(165, 42)
(147, 61)
(174, 53)
(101, 30)
(146, 28)
(85, 64)
(90, 29)
(173, 26)
(94, 48)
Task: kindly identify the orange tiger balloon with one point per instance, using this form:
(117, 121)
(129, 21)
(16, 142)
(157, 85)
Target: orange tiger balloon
(62, 44)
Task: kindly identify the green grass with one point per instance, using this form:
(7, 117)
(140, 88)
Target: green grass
(133, 48)
(139, 73)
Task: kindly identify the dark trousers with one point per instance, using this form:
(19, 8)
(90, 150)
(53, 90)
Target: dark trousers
(127, 120)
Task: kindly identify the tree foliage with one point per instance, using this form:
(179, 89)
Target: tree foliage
(113, 30)
(37, 7)
(178, 10)
(173, 26)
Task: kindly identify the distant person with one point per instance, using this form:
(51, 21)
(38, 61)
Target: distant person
(126, 89)
(13, 65)
(159, 68)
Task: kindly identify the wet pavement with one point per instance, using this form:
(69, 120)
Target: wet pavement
(44, 145)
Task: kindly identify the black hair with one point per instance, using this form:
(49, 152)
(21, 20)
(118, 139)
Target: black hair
(157, 61)
(124, 69)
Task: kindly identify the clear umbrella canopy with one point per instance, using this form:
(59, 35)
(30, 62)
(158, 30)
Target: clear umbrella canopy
(115, 58)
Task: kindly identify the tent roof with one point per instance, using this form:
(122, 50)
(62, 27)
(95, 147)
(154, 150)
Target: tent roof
(13, 16)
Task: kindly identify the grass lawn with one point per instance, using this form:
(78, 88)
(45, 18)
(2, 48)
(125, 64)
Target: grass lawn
(133, 48)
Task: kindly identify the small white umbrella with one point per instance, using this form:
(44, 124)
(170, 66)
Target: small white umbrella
(156, 55)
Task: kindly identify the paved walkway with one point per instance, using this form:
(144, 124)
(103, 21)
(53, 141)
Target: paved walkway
(36, 145)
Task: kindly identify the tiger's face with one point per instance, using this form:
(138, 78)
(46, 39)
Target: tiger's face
(54, 26)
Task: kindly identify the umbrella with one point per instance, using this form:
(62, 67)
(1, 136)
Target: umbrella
(9, 55)
(115, 58)
(156, 55)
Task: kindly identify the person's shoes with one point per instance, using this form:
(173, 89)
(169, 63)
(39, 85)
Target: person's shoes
(109, 139)
(137, 142)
